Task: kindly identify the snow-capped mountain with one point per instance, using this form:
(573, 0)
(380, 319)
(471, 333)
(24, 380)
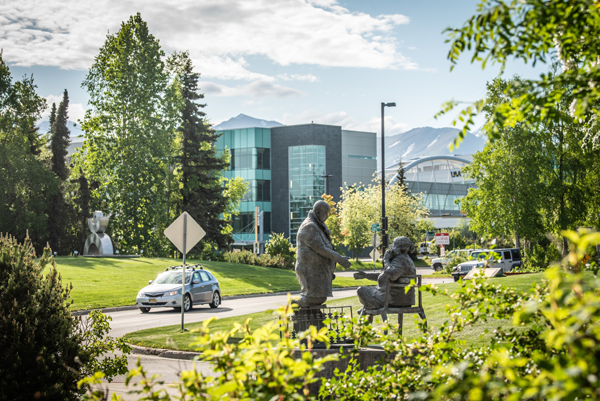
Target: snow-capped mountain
(76, 131)
(427, 141)
(244, 121)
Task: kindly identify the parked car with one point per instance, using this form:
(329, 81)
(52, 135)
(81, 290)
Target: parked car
(425, 248)
(506, 258)
(201, 287)
(439, 263)
(463, 269)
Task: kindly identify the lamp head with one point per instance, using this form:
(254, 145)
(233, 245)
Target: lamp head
(390, 104)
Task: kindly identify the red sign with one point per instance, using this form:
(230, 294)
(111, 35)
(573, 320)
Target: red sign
(442, 239)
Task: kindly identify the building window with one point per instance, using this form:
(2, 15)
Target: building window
(243, 223)
(306, 166)
(250, 159)
(362, 157)
(260, 191)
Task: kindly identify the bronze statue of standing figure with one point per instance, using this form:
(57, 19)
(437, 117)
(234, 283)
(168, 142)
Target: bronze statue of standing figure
(315, 257)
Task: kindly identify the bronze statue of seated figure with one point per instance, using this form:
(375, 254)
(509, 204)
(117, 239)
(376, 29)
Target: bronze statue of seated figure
(399, 268)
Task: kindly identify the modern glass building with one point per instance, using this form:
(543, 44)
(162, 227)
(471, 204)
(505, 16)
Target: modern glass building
(439, 179)
(286, 165)
(250, 150)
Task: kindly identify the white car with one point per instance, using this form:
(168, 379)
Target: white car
(439, 263)
(506, 258)
(201, 287)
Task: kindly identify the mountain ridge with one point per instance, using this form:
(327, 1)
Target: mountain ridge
(245, 121)
(427, 141)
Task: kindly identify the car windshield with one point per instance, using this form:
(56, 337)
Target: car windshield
(479, 255)
(451, 254)
(172, 277)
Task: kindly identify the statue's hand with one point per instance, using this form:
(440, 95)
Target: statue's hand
(359, 275)
(345, 262)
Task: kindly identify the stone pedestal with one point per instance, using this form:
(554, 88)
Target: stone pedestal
(368, 356)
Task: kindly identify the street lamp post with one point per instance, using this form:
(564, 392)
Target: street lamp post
(327, 177)
(384, 220)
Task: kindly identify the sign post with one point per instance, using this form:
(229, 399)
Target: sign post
(375, 242)
(184, 233)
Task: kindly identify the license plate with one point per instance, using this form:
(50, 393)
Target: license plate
(152, 301)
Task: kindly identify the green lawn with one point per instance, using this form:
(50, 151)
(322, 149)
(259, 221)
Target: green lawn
(358, 265)
(107, 282)
(434, 310)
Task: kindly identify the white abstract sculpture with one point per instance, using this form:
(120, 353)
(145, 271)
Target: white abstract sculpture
(98, 243)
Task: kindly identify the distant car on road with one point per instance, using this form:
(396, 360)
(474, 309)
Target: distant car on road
(506, 258)
(438, 263)
(201, 287)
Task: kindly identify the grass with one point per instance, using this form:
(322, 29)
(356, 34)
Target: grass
(171, 337)
(359, 265)
(108, 282)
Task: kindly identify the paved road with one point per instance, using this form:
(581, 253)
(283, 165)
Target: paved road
(124, 322)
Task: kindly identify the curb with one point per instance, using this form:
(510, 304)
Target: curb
(163, 353)
(230, 297)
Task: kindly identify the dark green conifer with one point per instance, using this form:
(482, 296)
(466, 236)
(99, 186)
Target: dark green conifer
(58, 209)
(201, 190)
(60, 139)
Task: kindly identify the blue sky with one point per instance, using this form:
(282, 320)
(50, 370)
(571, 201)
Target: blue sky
(294, 61)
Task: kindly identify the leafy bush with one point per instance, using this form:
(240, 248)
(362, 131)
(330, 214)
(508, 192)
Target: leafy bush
(248, 258)
(279, 245)
(453, 262)
(255, 368)
(44, 350)
(550, 352)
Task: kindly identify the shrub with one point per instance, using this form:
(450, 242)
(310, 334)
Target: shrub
(550, 352)
(255, 368)
(248, 258)
(279, 245)
(453, 262)
(44, 350)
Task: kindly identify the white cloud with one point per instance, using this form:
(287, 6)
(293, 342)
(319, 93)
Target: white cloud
(76, 110)
(258, 88)
(218, 33)
(298, 77)
(412, 48)
(392, 127)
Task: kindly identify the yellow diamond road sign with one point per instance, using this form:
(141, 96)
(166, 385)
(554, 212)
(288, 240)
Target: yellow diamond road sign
(194, 232)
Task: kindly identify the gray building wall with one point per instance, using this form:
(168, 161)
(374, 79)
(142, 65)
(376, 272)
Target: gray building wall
(359, 157)
(297, 135)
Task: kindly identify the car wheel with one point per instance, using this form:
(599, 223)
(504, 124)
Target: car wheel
(216, 300)
(187, 303)
(437, 267)
(456, 278)
(145, 310)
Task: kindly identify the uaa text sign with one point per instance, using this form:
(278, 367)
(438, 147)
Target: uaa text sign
(175, 233)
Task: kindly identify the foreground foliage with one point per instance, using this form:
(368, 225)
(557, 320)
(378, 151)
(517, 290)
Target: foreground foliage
(551, 351)
(44, 350)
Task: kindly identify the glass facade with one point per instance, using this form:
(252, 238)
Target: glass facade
(306, 165)
(441, 182)
(250, 151)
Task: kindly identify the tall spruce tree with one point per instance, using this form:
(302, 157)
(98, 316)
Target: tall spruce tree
(58, 208)
(60, 139)
(52, 117)
(201, 189)
(401, 175)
